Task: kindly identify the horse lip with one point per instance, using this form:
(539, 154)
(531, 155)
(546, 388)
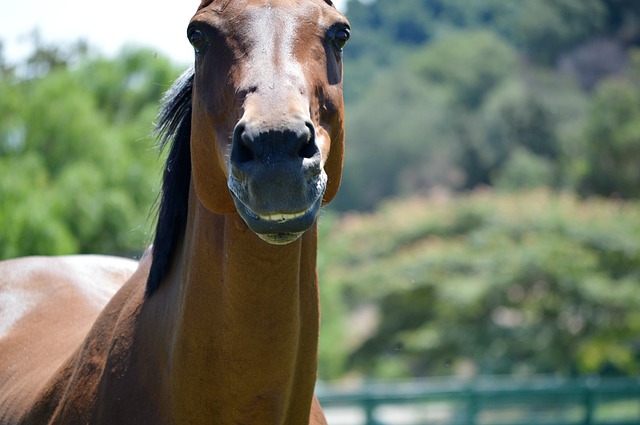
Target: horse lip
(279, 238)
(274, 218)
(281, 217)
(278, 228)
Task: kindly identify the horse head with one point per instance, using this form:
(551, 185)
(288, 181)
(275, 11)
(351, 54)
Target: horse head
(256, 127)
(276, 156)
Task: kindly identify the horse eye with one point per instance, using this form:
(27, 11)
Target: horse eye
(340, 37)
(197, 40)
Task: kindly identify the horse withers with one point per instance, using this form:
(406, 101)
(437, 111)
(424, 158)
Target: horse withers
(219, 322)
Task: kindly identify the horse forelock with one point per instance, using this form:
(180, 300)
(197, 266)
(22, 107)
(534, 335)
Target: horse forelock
(173, 128)
(223, 3)
(204, 3)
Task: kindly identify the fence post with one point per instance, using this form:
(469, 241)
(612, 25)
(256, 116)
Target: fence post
(472, 406)
(588, 404)
(369, 407)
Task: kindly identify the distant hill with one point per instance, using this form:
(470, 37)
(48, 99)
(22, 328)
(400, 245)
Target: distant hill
(516, 94)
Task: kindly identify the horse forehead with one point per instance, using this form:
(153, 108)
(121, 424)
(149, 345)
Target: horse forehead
(273, 37)
(239, 17)
(221, 5)
(267, 20)
(272, 32)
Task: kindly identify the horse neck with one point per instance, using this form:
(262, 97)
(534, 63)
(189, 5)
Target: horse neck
(243, 317)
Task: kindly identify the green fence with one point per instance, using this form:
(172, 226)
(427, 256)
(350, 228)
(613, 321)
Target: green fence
(485, 401)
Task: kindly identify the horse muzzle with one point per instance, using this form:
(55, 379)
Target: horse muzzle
(276, 179)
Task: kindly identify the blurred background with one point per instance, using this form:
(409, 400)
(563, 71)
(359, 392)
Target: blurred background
(488, 222)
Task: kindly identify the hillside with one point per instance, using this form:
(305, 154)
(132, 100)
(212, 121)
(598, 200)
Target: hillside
(463, 93)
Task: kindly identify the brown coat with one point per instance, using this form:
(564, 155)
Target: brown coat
(218, 324)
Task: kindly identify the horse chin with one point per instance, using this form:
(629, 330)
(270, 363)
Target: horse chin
(280, 238)
(279, 228)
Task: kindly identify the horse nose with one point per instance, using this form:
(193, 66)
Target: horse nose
(295, 142)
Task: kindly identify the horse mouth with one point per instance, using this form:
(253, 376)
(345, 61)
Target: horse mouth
(281, 217)
(277, 228)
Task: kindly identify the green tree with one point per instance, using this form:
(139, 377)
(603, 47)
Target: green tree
(76, 153)
(533, 282)
(475, 97)
(29, 210)
(419, 124)
(468, 63)
(611, 140)
(547, 28)
(520, 146)
(395, 143)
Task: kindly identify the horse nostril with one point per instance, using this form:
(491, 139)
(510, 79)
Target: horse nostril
(244, 152)
(308, 148)
(242, 145)
(253, 144)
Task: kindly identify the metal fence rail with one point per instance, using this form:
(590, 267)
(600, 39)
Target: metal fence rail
(485, 401)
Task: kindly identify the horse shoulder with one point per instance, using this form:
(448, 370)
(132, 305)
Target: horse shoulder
(47, 306)
(97, 379)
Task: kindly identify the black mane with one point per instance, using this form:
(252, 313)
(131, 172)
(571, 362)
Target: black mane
(174, 127)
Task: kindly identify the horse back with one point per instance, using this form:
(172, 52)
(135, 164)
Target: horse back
(47, 306)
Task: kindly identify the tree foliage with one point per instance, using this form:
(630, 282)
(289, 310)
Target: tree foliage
(442, 97)
(76, 158)
(497, 93)
(534, 282)
(611, 138)
(546, 29)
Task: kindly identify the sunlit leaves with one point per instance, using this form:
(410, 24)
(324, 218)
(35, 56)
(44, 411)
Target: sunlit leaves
(77, 161)
(534, 282)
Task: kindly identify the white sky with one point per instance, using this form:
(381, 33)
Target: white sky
(107, 25)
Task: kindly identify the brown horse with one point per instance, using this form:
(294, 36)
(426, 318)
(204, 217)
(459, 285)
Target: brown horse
(218, 324)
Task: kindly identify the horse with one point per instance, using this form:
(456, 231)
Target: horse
(218, 322)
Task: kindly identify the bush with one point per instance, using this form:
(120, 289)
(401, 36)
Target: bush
(76, 156)
(611, 139)
(534, 282)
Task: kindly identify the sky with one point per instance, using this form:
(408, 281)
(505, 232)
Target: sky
(106, 25)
